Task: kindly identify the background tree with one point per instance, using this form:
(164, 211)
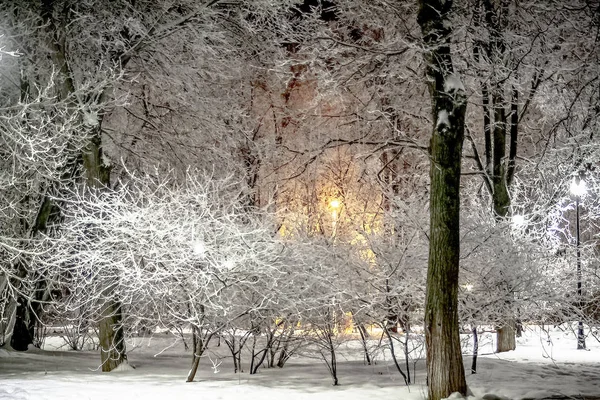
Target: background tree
(517, 53)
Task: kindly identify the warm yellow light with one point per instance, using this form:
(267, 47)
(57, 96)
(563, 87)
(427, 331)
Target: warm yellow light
(334, 203)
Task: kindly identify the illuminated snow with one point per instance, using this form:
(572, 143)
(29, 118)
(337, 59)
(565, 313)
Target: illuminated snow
(544, 365)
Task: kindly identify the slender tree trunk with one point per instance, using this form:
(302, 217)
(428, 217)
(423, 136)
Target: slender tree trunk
(333, 363)
(96, 174)
(445, 369)
(257, 365)
(475, 350)
(200, 343)
(256, 362)
(285, 353)
(406, 356)
(363, 339)
(254, 355)
(283, 357)
(198, 350)
(393, 354)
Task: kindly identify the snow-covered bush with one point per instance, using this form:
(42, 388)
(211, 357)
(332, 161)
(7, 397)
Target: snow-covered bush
(173, 253)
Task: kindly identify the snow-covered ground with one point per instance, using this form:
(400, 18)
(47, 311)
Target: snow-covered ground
(543, 366)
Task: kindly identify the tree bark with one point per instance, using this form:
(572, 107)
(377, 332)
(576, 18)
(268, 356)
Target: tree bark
(22, 336)
(112, 342)
(29, 306)
(363, 340)
(200, 343)
(97, 176)
(445, 369)
(506, 337)
(475, 350)
(495, 16)
(393, 353)
(111, 337)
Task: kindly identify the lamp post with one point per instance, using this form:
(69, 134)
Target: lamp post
(578, 189)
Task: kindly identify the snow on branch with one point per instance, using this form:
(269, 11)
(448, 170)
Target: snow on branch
(186, 250)
(453, 83)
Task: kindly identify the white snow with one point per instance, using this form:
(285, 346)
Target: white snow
(199, 248)
(543, 365)
(442, 119)
(106, 162)
(453, 83)
(90, 118)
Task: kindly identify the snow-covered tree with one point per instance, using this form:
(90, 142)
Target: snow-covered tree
(41, 139)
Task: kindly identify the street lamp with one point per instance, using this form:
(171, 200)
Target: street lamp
(578, 189)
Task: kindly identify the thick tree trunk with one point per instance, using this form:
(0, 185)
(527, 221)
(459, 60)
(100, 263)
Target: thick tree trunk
(7, 313)
(97, 176)
(111, 337)
(496, 16)
(444, 358)
(112, 343)
(505, 337)
(22, 336)
(27, 317)
(15, 315)
(445, 369)
(29, 308)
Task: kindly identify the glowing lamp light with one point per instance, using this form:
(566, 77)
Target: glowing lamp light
(518, 220)
(578, 187)
(469, 287)
(199, 248)
(335, 205)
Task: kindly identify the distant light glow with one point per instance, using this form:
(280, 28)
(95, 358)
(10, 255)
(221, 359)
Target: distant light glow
(334, 203)
(469, 287)
(578, 187)
(199, 248)
(518, 220)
